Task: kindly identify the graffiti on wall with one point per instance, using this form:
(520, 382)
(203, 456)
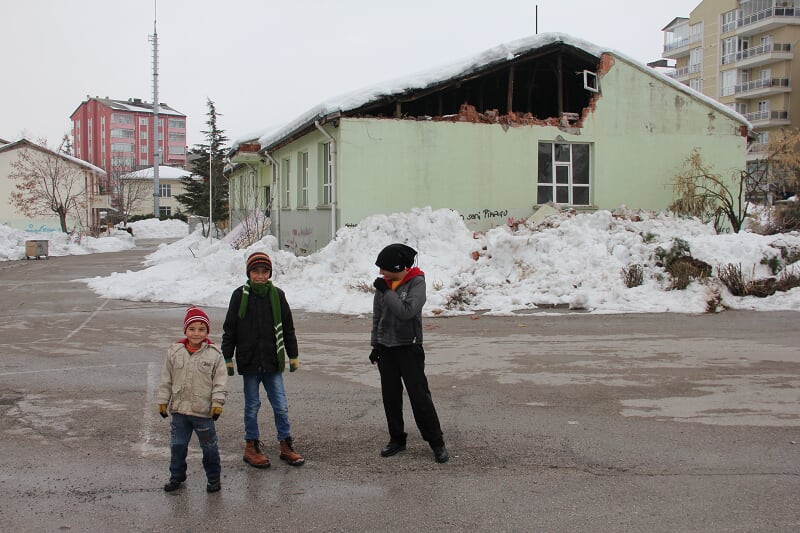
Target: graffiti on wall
(301, 241)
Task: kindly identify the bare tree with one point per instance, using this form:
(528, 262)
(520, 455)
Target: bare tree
(249, 208)
(49, 182)
(133, 192)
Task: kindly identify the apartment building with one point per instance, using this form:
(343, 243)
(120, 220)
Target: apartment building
(118, 135)
(741, 53)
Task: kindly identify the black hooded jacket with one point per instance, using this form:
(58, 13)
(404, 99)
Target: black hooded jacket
(252, 338)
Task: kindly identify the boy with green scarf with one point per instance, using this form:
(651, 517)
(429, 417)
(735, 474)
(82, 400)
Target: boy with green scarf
(259, 332)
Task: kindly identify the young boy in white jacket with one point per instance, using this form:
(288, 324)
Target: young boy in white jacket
(192, 390)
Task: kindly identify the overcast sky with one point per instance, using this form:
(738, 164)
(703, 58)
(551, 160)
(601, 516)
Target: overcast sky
(265, 62)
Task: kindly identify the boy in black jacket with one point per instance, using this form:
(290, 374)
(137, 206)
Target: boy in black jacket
(259, 331)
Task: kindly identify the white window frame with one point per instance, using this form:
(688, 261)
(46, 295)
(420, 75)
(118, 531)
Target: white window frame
(561, 177)
(327, 174)
(286, 179)
(302, 179)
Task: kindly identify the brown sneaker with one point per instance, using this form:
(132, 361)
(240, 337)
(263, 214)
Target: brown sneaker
(289, 455)
(253, 455)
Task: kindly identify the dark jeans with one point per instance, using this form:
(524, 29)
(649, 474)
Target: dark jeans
(181, 430)
(406, 364)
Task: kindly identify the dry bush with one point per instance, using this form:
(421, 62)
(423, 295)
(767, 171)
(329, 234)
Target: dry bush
(787, 281)
(685, 269)
(460, 298)
(731, 275)
(633, 275)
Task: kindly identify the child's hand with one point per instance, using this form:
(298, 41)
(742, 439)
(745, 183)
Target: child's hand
(229, 366)
(162, 410)
(215, 412)
(294, 364)
(380, 285)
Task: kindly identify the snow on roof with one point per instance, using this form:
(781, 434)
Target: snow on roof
(464, 67)
(164, 172)
(26, 142)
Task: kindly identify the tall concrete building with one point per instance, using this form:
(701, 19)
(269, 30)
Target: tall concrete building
(741, 53)
(119, 137)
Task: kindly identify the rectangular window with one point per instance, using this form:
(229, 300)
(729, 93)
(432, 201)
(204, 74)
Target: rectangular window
(327, 174)
(122, 162)
(121, 118)
(177, 150)
(287, 193)
(121, 147)
(164, 211)
(165, 190)
(728, 82)
(302, 179)
(143, 134)
(177, 123)
(564, 173)
(143, 161)
(143, 121)
(121, 133)
(142, 148)
(177, 137)
(696, 84)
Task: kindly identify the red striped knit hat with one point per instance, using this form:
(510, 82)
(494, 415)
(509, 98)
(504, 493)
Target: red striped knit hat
(257, 259)
(195, 314)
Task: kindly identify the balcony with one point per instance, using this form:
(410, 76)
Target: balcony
(759, 55)
(680, 47)
(765, 87)
(766, 20)
(684, 73)
(768, 119)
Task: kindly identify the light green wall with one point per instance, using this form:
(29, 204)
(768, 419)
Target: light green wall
(641, 129)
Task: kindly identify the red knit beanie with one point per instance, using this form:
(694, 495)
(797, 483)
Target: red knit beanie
(257, 259)
(195, 314)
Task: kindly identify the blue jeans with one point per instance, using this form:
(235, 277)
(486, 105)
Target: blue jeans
(276, 394)
(181, 429)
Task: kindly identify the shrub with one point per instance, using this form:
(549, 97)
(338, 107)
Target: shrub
(633, 275)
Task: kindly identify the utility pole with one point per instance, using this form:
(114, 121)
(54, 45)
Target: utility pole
(156, 149)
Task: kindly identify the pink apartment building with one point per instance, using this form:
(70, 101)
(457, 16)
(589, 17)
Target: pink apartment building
(117, 135)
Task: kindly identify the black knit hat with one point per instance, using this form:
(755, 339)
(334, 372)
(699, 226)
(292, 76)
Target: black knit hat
(396, 257)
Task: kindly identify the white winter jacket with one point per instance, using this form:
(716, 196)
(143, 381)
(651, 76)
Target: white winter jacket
(191, 384)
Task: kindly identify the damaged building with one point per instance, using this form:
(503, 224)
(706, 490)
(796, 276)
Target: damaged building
(549, 119)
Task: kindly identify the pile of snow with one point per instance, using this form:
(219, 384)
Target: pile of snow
(12, 243)
(567, 260)
(152, 228)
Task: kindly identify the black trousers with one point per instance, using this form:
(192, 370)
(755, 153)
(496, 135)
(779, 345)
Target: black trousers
(406, 365)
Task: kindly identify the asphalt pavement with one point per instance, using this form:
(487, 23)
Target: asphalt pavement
(555, 421)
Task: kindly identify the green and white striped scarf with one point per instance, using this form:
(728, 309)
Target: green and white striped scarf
(261, 290)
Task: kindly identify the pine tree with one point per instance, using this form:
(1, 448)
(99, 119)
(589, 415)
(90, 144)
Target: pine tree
(195, 199)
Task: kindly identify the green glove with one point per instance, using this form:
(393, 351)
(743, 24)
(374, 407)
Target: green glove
(229, 366)
(215, 412)
(294, 364)
(162, 410)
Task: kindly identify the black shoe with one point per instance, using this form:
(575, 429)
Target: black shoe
(173, 484)
(392, 448)
(213, 485)
(441, 455)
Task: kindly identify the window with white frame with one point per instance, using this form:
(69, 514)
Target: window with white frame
(121, 133)
(143, 161)
(728, 82)
(327, 174)
(121, 118)
(121, 147)
(143, 121)
(696, 84)
(142, 148)
(164, 211)
(177, 150)
(176, 137)
(175, 123)
(165, 190)
(287, 188)
(564, 173)
(302, 179)
(696, 59)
